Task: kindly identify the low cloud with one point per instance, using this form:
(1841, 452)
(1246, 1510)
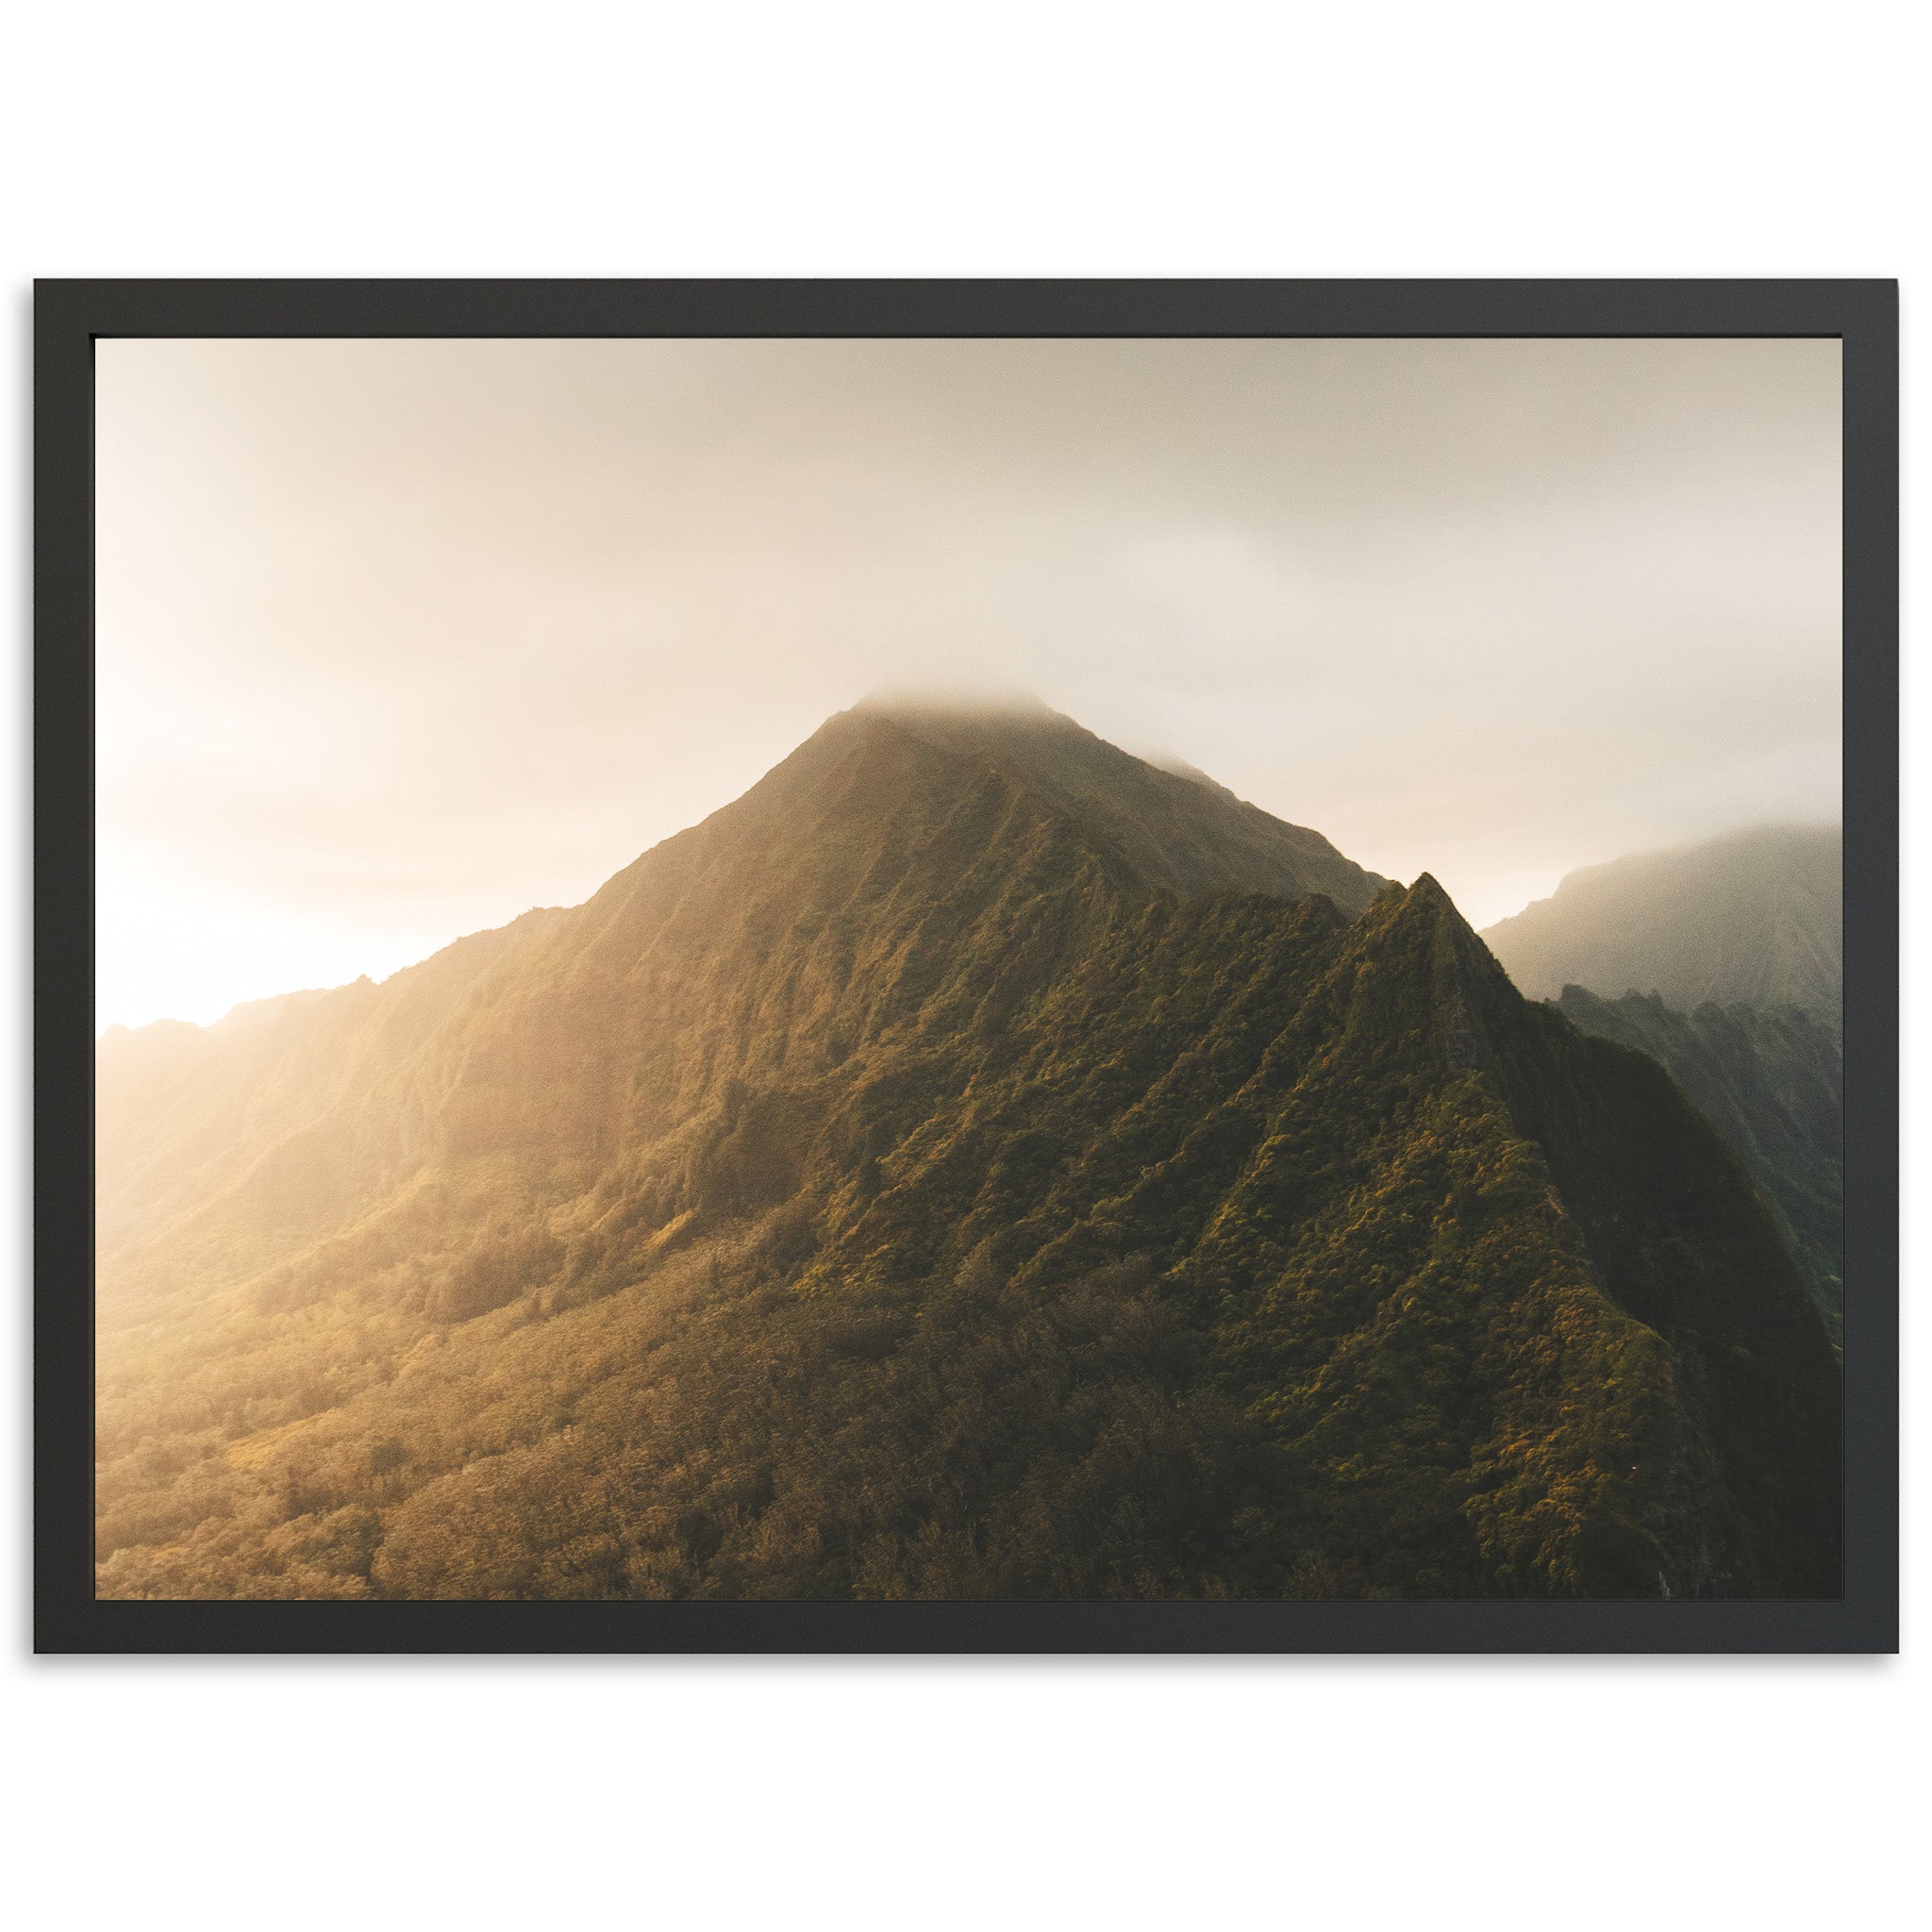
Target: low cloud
(398, 639)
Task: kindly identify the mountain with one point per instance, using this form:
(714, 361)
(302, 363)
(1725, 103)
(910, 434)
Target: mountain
(1770, 1080)
(1756, 918)
(974, 1164)
(1175, 827)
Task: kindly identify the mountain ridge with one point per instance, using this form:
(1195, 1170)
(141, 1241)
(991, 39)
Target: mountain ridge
(894, 1185)
(854, 743)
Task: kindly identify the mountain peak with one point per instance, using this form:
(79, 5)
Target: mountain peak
(996, 722)
(1181, 834)
(648, 1248)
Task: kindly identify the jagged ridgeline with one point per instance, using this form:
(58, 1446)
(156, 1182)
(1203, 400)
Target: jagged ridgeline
(975, 1164)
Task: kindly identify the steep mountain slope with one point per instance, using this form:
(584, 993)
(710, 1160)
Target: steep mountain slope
(933, 1175)
(564, 1036)
(1177, 829)
(187, 1118)
(1754, 918)
(1772, 1082)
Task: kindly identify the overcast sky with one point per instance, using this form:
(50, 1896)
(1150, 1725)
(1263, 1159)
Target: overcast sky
(399, 639)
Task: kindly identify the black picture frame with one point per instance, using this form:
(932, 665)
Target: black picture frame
(71, 315)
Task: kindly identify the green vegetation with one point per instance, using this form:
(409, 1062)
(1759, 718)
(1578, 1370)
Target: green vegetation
(1770, 1080)
(927, 1177)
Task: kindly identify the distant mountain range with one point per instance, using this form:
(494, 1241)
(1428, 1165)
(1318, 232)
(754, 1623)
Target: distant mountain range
(1723, 962)
(1753, 918)
(975, 1163)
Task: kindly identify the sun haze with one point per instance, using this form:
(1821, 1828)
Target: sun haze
(398, 639)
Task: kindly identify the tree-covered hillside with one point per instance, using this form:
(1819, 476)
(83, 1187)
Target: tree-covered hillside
(974, 1164)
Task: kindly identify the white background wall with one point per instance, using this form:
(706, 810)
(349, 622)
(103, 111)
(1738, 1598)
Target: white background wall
(1685, 137)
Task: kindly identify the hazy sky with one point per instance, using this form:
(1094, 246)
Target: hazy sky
(399, 639)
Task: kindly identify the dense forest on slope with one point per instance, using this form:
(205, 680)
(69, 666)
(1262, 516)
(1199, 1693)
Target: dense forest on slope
(1754, 918)
(1772, 1082)
(975, 1163)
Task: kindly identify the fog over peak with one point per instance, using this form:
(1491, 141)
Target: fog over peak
(939, 701)
(397, 639)
(957, 709)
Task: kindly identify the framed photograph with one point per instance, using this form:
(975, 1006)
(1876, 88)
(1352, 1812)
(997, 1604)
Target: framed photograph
(788, 966)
